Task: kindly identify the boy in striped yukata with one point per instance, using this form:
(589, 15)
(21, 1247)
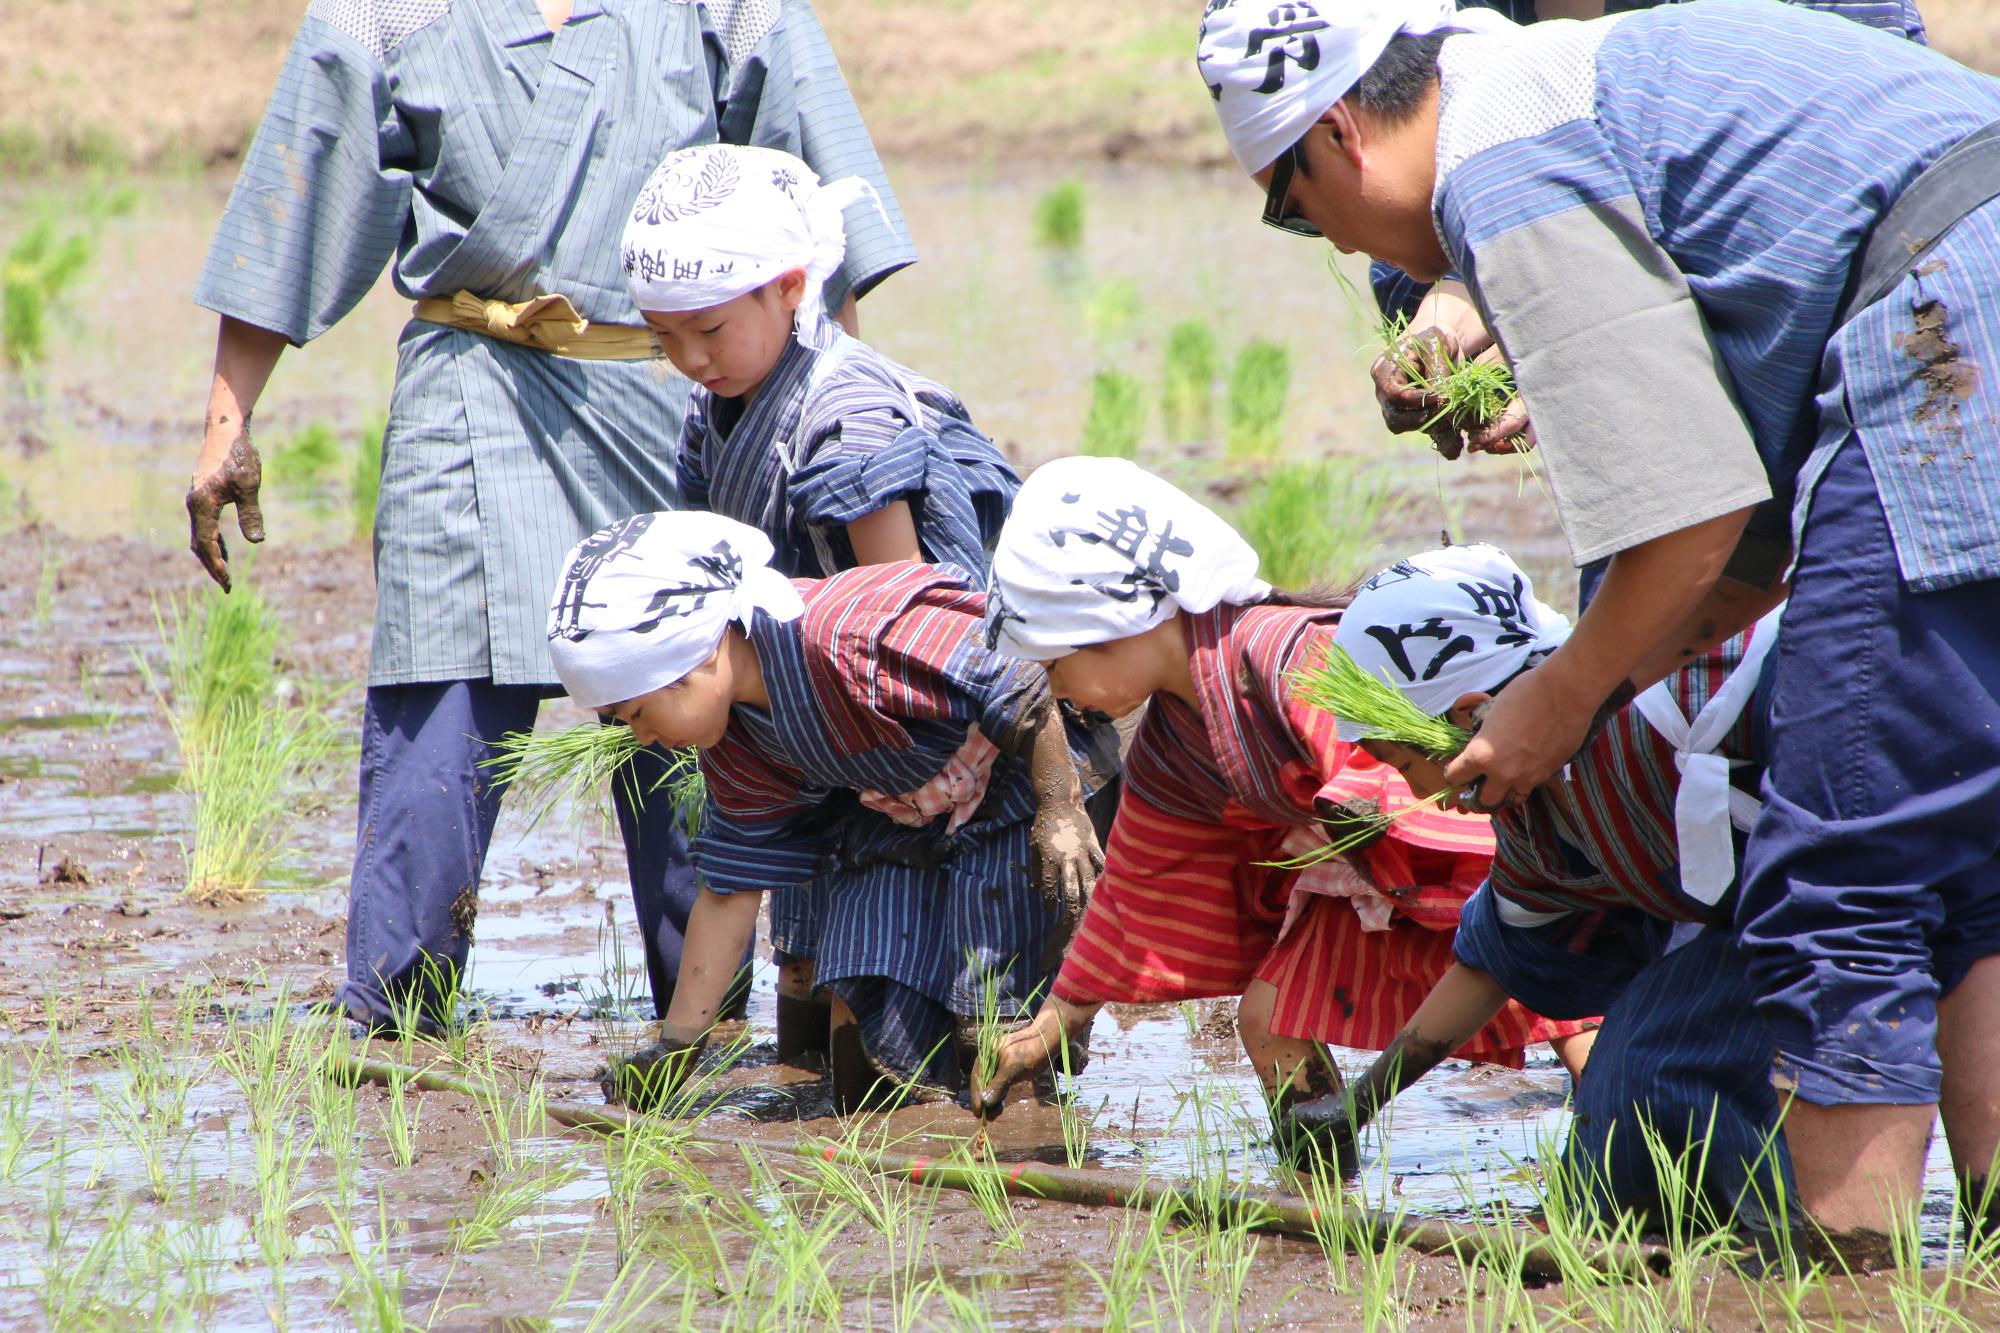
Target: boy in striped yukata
(853, 732)
(839, 456)
(1133, 593)
(1602, 886)
(1745, 261)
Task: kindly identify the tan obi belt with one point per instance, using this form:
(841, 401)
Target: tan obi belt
(546, 323)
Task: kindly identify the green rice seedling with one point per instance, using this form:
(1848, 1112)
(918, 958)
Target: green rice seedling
(242, 774)
(506, 1196)
(1317, 522)
(575, 767)
(1124, 1284)
(1111, 308)
(1187, 382)
(967, 1310)
(1259, 381)
(788, 1271)
(304, 461)
(365, 484)
(1059, 216)
(43, 261)
(221, 653)
(399, 1122)
(1339, 685)
(1075, 1125)
(1117, 416)
(336, 1117)
(989, 1195)
(371, 1290)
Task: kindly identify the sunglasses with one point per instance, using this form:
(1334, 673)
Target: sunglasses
(1278, 195)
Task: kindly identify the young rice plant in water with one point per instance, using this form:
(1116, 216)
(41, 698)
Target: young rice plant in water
(1316, 522)
(307, 459)
(1258, 384)
(1187, 382)
(1117, 416)
(1059, 217)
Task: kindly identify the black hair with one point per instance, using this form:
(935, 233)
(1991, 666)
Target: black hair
(1402, 76)
(1314, 597)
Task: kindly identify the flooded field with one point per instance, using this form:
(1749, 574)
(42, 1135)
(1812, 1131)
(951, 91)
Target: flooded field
(173, 1148)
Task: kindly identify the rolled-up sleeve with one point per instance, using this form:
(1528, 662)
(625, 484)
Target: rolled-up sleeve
(1634, 411)
(322, 199)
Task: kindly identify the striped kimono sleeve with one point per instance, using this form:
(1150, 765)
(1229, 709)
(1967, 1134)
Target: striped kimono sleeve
(690, 460)
(787, 92)
(323, 196)
(756, 836)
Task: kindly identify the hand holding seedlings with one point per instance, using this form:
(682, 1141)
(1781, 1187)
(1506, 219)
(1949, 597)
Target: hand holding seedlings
(647, 1079)
(1066, 859)
(234, 481)
(1029, 1049)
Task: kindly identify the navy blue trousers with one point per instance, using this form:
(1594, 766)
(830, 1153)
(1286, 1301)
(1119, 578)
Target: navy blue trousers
(1871, 883)
(1684, 1059)
(426, 820)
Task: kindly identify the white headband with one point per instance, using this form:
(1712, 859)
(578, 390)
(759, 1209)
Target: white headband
(1098, 549)
(1447, 623)
(1274, 69)
(643, 602)
(717, 221)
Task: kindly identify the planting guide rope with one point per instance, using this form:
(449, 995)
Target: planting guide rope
(1262, 1210)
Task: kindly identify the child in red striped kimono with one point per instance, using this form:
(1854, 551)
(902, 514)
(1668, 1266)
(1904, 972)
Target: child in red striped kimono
(1133, 594)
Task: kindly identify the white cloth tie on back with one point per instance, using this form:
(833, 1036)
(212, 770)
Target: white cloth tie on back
(1707, 806)
(717, 221)
(1274, 68)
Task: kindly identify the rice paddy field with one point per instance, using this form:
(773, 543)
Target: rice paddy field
(186, 1143)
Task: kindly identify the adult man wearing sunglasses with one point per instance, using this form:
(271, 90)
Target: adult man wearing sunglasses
(1739, 254)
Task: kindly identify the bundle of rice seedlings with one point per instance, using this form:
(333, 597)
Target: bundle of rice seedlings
(1341, 687)
(1259, 381)
(305, 460)
(1187, 389)
(40, 264)
(221, 654)
(576, 766)
(242, 770)
(1117, 416)
(1059, 217)
(1318, 522)
(1111, 307)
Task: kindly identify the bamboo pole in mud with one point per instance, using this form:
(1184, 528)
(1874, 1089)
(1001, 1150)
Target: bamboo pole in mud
(1263, 1210)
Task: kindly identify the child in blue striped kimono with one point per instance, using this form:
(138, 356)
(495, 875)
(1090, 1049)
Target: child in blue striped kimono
(839, 456)
(855, 733)
(1610, 893)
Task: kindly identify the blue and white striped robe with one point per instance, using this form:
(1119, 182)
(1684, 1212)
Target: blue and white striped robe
(873, 688)
(463, 140)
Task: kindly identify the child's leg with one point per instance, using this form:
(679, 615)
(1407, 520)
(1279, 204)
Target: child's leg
(804, 1020)
(1967, 1019)
(1574, 1050)
(1293, 1072)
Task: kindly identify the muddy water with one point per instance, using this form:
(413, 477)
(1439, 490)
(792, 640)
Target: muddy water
(98, 458)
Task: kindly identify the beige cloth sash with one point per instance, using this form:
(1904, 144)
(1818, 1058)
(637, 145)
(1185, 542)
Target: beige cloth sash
(546, 323)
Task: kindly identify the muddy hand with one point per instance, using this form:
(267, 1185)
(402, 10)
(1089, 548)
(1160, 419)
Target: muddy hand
(1408, 406)
(646, 1080)
(1066, 861)
(235, 482)
(1023, 1053)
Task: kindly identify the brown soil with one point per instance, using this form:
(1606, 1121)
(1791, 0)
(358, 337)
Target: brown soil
(182, 82)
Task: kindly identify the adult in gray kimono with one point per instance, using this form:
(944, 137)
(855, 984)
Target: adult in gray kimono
(492, 149)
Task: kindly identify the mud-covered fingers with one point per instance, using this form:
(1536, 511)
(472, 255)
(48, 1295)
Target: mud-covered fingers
(1508, 433)
(205, 533)
(244, 474)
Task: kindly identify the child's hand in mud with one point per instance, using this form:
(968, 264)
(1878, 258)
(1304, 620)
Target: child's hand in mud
(235, 481)
(1065, 863)
(1024, 1052)
(646, 1080)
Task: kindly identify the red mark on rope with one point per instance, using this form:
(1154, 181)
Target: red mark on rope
(917, 1168)
(832, 1151)
(1015, 1174)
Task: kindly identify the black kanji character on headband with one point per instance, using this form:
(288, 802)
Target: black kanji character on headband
(1129, 532)
(1503, 605)
(724, 571)
(1395, 641)
(595, 551)
(1289, 38)
(998, 613)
